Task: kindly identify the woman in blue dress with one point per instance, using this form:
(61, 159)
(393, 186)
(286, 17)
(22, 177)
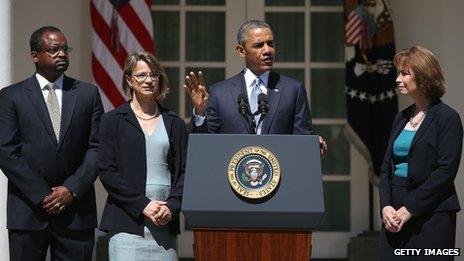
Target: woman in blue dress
(141, 164)
(418, 198)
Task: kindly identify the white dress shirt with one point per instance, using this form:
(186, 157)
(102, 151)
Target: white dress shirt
(58, 88)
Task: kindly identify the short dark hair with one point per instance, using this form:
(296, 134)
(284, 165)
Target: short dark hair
(248, 25)
(36, 41)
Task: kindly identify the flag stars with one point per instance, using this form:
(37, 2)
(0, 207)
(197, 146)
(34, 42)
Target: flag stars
(390, 94)
(362, 96)
(352, 93)
(371, 98)
(382, 96)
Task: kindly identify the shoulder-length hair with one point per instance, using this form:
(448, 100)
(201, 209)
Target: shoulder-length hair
(129, 66)
(427, 71)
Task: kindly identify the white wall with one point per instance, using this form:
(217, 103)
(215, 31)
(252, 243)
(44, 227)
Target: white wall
(5, 79)
(438, 26)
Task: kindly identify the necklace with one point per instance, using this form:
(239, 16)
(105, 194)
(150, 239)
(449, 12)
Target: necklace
(145, 118)
(413, 124)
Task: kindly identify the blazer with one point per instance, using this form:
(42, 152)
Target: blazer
(433, 161)
(123, 169)
(288, 107)
(34, 161)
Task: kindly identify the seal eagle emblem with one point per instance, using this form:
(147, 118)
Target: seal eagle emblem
(254, 172)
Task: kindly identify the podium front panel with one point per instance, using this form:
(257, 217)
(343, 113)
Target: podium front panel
(210, 202)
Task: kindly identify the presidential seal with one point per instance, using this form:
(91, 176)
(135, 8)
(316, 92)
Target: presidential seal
(254, 172)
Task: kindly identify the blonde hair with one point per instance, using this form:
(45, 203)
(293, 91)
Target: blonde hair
(427, 71)
(129, 66)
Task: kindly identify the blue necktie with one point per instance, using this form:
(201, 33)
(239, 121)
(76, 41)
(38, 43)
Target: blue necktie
(255, 91)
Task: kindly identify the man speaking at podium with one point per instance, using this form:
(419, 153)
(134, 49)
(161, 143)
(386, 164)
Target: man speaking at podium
(255, 101)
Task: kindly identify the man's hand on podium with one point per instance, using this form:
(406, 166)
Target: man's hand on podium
(323, 146)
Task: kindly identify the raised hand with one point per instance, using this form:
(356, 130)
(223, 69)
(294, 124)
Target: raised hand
(196, 89)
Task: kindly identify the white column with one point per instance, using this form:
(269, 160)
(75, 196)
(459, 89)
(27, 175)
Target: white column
(5, 80)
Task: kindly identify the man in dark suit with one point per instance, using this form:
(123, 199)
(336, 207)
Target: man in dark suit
(288, 104)
(48, 150)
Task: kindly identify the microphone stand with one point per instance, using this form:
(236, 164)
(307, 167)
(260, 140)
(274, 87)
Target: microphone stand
(253, 126)
(244, 110)
(263, 108)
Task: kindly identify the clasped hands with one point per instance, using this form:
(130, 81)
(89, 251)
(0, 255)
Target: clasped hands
(57, 201)
(394, 220)
(158, 212)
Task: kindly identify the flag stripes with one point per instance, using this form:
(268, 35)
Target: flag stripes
(119, 27)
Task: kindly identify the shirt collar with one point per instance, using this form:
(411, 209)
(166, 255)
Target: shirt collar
(250, 77)
(43, 82)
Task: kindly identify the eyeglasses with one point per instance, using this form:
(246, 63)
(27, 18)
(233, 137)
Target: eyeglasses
(53, 51)
(143, 76)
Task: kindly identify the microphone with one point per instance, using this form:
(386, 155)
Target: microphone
(243, 107)
(263, 106)
(244, 110)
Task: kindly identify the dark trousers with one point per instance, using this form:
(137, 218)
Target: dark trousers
(64, 244)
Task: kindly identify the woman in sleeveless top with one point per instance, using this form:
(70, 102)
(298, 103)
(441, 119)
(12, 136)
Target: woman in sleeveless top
(141, 163)
(418, 198)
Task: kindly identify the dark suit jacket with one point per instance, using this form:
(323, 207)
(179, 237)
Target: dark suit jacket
(433, 161)
(123, 169)
(288, 107)
(34, 161)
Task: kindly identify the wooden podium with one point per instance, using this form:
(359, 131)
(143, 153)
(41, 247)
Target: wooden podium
(229, 227)
(251, 245)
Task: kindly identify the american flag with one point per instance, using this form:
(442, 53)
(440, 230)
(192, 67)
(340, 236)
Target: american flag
(353, 29)
(118, 28)
(359, 29)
